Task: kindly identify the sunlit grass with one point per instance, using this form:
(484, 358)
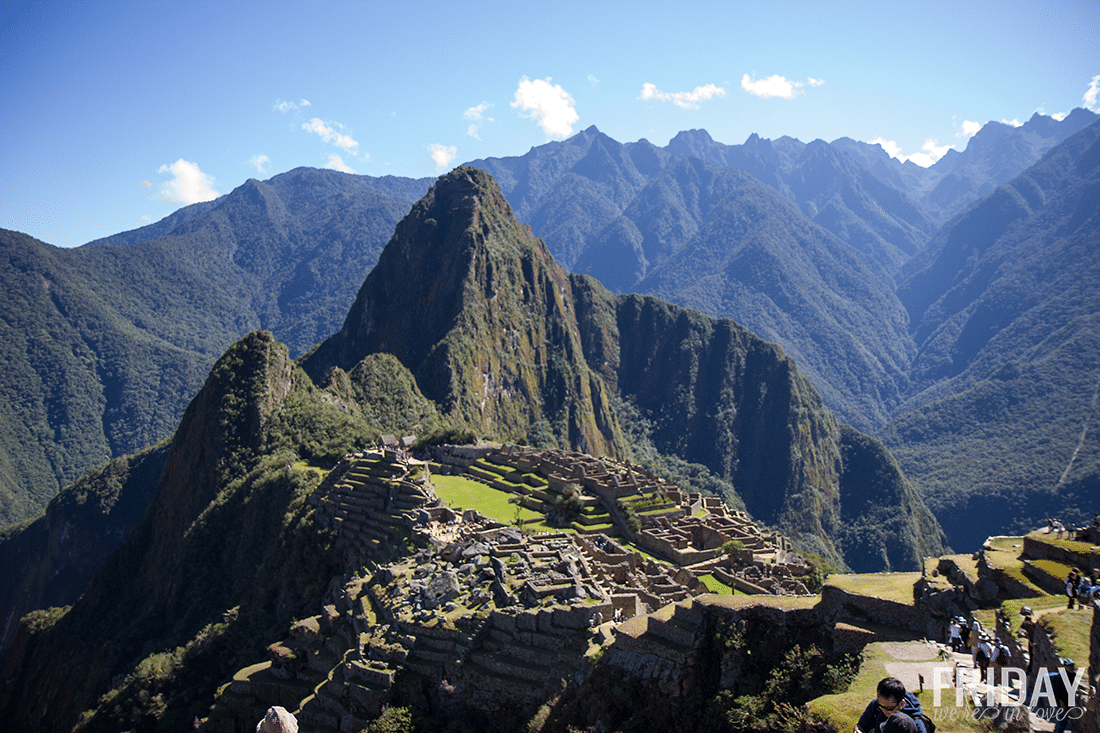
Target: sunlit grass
(1070, 630)
(716, 586)
(459, 491)
(891, 586)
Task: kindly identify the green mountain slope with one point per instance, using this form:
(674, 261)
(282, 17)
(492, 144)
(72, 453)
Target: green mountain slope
(1003, 424)
(476, 308)
(103, 345)
(229, 550)
(758, 261)
(224, 558)
(873, 213)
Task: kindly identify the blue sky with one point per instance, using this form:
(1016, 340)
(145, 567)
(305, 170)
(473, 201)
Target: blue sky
(115, 114)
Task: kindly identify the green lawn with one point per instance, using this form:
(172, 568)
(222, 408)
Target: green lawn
(459, 491)
(891, 586)
(717, 586)
(1070, 633)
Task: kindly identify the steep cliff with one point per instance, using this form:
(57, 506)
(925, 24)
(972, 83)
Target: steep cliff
(48, 561)
(718, 395)
(476, 308)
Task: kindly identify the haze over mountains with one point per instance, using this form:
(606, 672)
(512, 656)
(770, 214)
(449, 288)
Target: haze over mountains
(804, 244)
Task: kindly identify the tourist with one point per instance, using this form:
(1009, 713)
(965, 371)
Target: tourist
(1071, 587)
(891, 699)
(984, 655)
(954, 637)
(1002, 657)
(975, 639)
(1084, 591)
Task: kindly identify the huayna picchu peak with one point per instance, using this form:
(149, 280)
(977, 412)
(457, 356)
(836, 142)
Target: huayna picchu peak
(476, 308)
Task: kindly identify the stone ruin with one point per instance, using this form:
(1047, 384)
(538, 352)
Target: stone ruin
(483, 615)
(686, 529)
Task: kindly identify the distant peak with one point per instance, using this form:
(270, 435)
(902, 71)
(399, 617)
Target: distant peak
(696, 134)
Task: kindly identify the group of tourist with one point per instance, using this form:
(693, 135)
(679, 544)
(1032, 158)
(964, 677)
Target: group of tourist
(1082, 588)
(985, 648)
(1068, 530)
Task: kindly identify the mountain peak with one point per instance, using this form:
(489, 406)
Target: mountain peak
(478, 310)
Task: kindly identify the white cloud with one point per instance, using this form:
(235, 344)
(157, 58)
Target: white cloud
(969, 128)
(548, 104)
(1014, 123)
(261, 163)
(284, 107)
(189, 185)
(442, 155)
(1092, 94)
(774, 86)
(476, 113)
(331, 135)
(814, 82)
(1060, 115)
(892, 148)
(684, 100)
(592, 80)
(931, 151)
(336, 163)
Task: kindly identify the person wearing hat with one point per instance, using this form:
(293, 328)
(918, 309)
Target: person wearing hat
(984, 654)
(892, 701)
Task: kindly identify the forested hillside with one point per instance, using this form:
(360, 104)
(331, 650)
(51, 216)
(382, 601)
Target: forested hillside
(104, 345)
(1002, 423)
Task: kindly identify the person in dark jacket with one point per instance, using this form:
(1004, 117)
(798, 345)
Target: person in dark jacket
(891, 699)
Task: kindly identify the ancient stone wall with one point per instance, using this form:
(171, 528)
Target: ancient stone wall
(839, 605)
(1043, 551)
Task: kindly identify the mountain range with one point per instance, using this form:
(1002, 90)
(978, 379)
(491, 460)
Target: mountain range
(843, 256)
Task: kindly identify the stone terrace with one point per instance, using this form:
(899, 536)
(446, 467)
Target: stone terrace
(687, 529)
